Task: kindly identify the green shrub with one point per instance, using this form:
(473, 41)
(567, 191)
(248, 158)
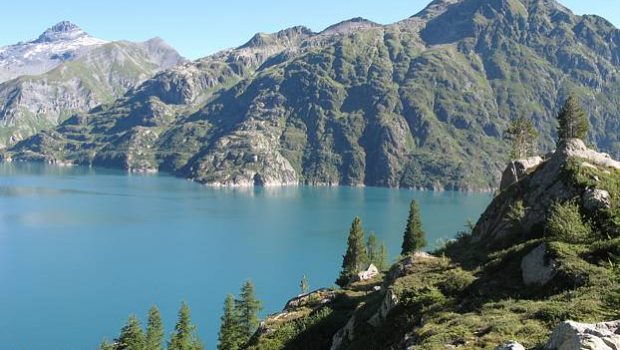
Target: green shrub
(456, 281)
(566, 225)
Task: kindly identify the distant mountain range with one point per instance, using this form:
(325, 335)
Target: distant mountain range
(66, 71)
(420, 103)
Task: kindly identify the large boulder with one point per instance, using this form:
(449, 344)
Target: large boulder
(513, 345)
(595, 199)
(517, 169)
(368, 274)
(536, 268)
(571, 335)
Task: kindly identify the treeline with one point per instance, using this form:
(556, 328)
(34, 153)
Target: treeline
(133, 337)
(239, 322)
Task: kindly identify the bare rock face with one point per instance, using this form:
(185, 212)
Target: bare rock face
(536, 269)
(517, 169)
(321, 296)
(389, 302)
(571, 335)
(513, 345)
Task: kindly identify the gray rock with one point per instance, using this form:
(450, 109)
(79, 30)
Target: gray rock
(536, 269)
(595, 199)
(512, 345)
(368, 274)
(571, 335)
(517, 169)
(389, 302)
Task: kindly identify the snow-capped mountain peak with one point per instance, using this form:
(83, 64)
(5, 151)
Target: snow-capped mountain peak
(64, 30)
(62, 42)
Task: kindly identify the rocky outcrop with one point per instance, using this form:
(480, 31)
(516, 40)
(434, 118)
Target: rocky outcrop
(320, 296)
(371, 272)
(537, 268)
(571, 335)
(517, 169)
(538, 190)
(345, 334)
(596, 199)
(513, 345)
(389, 302)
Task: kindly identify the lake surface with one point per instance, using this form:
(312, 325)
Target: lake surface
(82, 248)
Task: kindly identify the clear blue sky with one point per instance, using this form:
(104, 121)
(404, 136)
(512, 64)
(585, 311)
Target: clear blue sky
(200, 27)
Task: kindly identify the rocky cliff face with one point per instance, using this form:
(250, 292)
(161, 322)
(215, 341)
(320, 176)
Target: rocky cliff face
(65, 71)
(365, 104)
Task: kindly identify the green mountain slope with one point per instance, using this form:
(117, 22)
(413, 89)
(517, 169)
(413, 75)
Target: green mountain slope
(419, 103)
(544, 252)
(103, 74)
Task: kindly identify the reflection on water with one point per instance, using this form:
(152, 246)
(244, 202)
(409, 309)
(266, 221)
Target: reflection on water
(81, 248)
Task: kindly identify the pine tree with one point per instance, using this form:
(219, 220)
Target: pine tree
(248, 307)
(230, 337)
(304, 285)
(414, 238)
(154, 330)
(522, 135)
(372, 248)
(183, 337)
(573, 120)
(106, 345)
(132, 336)
(356, 256)
(382, 259)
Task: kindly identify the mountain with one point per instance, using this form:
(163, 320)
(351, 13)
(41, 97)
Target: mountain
(541, 257)
(66, 71)
(62, 42)
(420, 103)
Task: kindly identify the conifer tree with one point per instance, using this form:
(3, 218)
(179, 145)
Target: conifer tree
(304, 285)
(154, 330)
(573, 120)
(106, 345)
(184, 337)
(522, 135)
(132, 336)
(248, 307)
(414, 237)
(230, 329)
(356, 256)
(373, 249)
(382, 260)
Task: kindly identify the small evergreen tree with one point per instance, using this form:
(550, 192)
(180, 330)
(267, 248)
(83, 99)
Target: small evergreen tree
(573, 120)
(304, 285)
(248, 307)
(230, 329)
(154, 330)
(382, 260)
(106, 345)
(414, 238)
(184, 337)
(522, 135)
(373, 249)
(356, 257)
(132, 336)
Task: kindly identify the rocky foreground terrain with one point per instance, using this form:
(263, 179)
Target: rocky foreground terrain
(538, 271)
(66, 71)
(421, 103)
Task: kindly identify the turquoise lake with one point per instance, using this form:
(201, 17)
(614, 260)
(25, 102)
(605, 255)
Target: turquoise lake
(82, 248)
